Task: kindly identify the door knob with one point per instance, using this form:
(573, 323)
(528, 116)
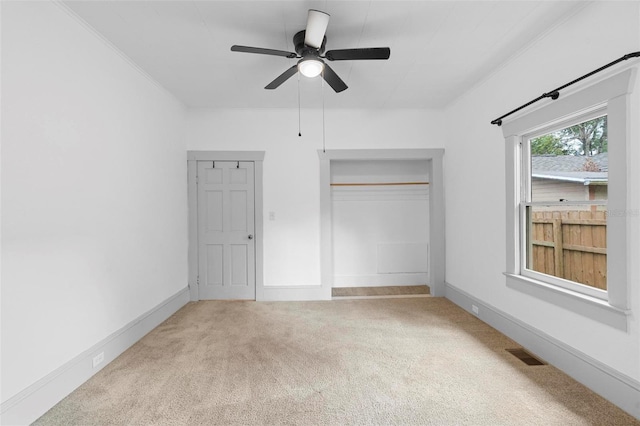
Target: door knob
(250, 236)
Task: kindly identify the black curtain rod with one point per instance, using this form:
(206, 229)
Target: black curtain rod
(555, 93)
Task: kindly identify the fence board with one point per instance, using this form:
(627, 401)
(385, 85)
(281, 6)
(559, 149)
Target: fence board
(559, 244)
(586, 240)
(600, 261)
(574, 238)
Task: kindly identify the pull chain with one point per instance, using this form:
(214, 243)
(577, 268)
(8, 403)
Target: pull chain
(323, 126)
(299, 130)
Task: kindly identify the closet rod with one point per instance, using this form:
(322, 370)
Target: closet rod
(379, 184)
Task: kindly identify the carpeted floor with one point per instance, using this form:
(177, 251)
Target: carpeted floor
(413, 361)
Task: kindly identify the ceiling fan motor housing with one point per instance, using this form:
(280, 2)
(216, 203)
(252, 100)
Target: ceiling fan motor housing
(303, 50)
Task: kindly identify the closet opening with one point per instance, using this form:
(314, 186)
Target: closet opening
(382, 222)
(380, 227)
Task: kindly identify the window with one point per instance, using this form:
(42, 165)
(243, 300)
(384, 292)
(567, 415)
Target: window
(568, 213)
(563, 205)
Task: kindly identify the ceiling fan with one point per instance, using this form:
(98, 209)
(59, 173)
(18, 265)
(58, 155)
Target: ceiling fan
(309, 46)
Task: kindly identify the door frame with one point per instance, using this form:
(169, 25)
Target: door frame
(257, 157)
(434, 158)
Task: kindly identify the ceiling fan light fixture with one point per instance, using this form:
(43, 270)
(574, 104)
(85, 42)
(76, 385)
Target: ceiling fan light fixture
(310, 67)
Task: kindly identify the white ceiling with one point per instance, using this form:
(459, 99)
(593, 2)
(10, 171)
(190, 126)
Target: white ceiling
(439, 49)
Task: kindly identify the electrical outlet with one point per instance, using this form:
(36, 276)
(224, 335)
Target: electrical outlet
(98, 359)
(475, 309)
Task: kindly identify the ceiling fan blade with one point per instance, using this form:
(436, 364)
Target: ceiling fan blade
(356, 54)
(317, 22)
(282, 77)
(332, 78)
(260, 50)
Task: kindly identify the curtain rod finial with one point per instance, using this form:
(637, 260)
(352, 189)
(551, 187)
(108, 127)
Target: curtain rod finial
(497, 122)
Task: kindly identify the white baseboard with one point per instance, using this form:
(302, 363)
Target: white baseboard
(293, 293)
(620, 389)
(28, 405)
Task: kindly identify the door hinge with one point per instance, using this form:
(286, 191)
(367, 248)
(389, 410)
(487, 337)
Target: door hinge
(198, 280)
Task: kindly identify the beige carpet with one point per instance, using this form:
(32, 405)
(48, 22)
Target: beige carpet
(402, 290)
(412, 361)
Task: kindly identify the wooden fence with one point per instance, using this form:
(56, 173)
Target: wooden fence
(571, 245)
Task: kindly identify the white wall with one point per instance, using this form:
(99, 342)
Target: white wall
(94, 230)
(380, 233)
(475, 177)
(291, 167)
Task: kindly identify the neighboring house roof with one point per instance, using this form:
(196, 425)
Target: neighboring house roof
(570, 168)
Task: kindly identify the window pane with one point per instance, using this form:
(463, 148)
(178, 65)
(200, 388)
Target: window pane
(569, 243)
(571, 164)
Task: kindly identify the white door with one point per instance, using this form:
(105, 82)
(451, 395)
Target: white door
(226, 244)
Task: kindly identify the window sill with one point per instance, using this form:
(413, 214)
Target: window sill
(588, 306)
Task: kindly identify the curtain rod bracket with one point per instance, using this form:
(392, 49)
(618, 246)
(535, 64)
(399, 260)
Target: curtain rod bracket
(555, 94)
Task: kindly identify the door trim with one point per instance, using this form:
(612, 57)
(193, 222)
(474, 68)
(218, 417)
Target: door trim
(257, 157)
(434, 158)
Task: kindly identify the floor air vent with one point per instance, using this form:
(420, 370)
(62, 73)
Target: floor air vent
(525, 356)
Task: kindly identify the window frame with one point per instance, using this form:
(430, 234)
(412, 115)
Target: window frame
(526, 196)
(611, 93)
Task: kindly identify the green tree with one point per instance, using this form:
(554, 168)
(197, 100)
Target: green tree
(588, 138)
(549, 144)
